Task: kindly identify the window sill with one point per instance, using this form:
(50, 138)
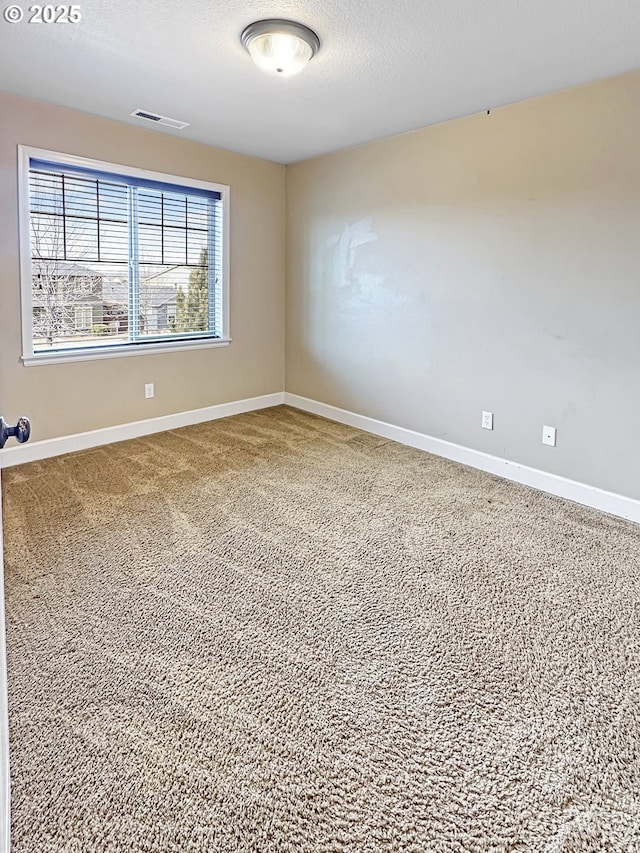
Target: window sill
(122, 352)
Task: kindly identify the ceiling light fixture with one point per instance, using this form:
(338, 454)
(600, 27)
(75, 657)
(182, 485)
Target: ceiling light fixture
(280, 47)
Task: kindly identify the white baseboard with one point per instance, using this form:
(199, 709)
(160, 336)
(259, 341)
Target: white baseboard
(581, 493)
(5, 788)
(18, 453)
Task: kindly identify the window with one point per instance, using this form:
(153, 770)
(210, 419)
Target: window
(117, 261)
(83, 316)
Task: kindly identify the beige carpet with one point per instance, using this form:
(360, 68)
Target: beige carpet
(276, 634)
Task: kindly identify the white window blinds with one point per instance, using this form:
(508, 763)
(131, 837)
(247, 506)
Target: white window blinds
(120, 261)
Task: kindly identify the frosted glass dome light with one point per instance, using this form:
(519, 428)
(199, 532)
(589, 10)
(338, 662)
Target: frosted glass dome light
(280, 47)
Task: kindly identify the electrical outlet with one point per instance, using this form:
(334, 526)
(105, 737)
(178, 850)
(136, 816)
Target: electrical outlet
(487, 420)
(149, 390)
(549, 436)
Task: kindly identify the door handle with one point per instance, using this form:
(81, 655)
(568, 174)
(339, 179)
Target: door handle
(21, 431)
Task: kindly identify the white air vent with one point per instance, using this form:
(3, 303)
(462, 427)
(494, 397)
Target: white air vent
(163, 120)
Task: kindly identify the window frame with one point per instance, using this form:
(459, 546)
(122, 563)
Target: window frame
(29, 357)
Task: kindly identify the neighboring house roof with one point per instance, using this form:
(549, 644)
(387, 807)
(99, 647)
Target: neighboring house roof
(154, 297)
(115, 290)
(156, 290)
(45, 267)
(175, 272)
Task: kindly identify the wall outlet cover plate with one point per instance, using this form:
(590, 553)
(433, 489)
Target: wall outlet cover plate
(487, 420)
(549, 435)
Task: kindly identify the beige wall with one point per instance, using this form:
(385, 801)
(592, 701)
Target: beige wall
(63, 399)
(487, 263)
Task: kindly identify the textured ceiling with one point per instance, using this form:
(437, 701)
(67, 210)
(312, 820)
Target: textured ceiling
(384, 66)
